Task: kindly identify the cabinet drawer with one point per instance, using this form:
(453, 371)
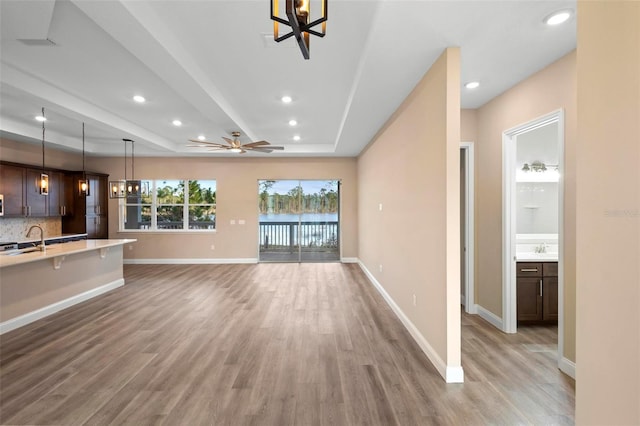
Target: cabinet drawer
(529, 269)
(550, 269)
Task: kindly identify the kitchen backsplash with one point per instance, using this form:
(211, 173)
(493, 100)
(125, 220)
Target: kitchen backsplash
(15, 229)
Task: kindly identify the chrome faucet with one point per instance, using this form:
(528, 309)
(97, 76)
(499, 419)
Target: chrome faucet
(42, 247)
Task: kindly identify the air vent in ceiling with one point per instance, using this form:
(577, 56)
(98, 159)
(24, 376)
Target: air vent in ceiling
(37, 41)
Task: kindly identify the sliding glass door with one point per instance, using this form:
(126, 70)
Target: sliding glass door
(299, 220)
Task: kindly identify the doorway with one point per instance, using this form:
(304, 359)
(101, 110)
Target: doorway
(299, 220)
(467, 233)
(533, 199)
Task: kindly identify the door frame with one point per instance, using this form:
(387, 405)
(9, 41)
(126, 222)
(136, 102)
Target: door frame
(470, 306)
(509, 314)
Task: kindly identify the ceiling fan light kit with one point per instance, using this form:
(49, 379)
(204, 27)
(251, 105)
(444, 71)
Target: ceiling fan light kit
(234, 145)
(298, 13)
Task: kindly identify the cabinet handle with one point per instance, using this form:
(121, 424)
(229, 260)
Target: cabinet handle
(529, 270)
(540, 288)
(28, 210)
(64, 209)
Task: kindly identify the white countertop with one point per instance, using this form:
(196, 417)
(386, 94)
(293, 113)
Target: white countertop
(60, 250)
(537, 257)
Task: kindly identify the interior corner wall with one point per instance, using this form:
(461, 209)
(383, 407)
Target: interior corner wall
(408, 209)
(550, 89)
(608, 224)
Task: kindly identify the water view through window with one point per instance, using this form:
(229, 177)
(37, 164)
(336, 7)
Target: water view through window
(299, 220)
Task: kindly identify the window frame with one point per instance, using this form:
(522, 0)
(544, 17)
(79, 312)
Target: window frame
(122, 206)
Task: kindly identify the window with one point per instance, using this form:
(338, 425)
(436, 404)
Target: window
(171, 205)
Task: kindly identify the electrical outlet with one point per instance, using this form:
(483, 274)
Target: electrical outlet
(241, 222)
(380, 267)
(213, 246)
(233, 221)
(414, 300)
(380, 206)
(130, 247)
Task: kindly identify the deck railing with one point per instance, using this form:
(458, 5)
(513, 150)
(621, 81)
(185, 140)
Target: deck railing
(174, 225)
(291, 235)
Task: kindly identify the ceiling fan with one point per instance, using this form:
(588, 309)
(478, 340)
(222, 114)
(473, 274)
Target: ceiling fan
(234, 145)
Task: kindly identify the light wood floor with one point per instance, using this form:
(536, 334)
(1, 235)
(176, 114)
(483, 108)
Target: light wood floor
(266, 344)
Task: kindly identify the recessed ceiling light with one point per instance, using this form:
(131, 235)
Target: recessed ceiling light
(472, 84)
(139, 99)
(41, 118)
(286, 99)
(296, 137)
(293, 123)
(201, 138)
(177, 123)
(558, 17)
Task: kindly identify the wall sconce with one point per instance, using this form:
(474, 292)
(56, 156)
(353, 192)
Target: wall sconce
(537, 171)
(298, 13)
(43, 184)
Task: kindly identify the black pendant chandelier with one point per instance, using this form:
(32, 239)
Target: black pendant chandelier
(298, 14)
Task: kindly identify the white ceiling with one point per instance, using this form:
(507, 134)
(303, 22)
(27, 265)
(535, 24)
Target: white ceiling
(214, 65)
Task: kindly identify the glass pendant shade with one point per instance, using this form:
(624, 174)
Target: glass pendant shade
(117, 188)
(83, 187)
(44, 184)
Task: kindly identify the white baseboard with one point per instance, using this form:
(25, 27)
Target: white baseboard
(451, 374)
(568, 367)
(30, 317)
(198, 261)
(349, 260)
(490, 317)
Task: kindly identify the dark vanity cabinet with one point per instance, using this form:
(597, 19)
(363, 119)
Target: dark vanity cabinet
(537, 292)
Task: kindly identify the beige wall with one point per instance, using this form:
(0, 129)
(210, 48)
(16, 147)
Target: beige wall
(412, 169)
(468, 125)
(548, 90)
(27, 153)
(608, 224)
(237, 199)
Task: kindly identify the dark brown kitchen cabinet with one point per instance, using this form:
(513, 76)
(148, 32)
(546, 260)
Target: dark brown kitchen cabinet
(60, 194)
(36, 204)
(11, 186)
(537, 292)
(90, 213)
(20, 187)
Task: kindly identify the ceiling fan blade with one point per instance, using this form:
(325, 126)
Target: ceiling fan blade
(265, 150)
(205, 143)
(279, 148)
(258, 143)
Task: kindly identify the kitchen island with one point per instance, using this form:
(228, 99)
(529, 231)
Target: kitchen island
(36, 284)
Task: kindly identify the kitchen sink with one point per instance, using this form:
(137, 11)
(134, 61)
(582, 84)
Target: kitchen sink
(20, 251)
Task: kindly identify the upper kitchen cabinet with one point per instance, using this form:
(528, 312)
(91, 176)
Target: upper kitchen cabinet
(21, 191)
(60, 194)
(19, 185)
(90, 214)
(11, 186)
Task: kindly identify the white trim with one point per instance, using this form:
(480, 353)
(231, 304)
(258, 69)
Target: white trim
(509, 297)
(469, 303)
(568, 367)
(451, 374)
(490, 317)
(197, 261)
(349, 260)
(30, 317)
